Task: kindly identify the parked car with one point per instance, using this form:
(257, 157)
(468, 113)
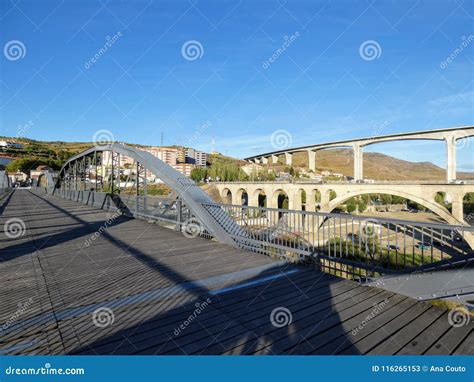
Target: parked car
(422, 245)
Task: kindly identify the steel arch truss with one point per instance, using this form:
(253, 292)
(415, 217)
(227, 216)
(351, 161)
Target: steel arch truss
(122, 173)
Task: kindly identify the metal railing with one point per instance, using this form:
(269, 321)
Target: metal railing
(4, 192)
(350, 246)
(342, 181)
(167, 211)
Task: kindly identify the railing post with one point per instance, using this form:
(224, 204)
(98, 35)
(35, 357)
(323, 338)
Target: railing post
(112, 181)
(179, 215)
(145, 192)
(95, 160)
(137, 187)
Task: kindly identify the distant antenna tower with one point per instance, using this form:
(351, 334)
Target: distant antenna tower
(162, 138)
(213, 144)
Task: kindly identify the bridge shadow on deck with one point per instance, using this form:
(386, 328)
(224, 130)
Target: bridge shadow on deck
(289, 315)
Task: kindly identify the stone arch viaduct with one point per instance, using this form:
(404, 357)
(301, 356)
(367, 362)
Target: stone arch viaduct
(423, 194)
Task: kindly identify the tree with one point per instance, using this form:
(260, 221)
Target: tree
(386, 199)
(351, 206)
(440, 198)
(31, 163)
(361, 205)
(198, 174)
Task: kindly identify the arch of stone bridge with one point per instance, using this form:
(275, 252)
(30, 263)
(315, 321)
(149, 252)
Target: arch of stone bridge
(436, 208)
(258, 198)
(201, 205)
(226, 196)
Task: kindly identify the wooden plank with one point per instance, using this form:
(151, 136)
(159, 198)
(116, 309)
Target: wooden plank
(451, 340)
(467, 345)
(410, 331)
(421, 343)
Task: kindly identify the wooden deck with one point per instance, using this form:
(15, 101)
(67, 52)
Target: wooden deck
(62, 285)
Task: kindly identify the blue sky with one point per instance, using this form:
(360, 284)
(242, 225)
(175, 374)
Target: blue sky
(321, 85)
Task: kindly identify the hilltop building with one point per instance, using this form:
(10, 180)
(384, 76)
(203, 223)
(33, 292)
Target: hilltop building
(196, 157)
(10, 145)
(181, 155)
(184, 168)
(166, 154)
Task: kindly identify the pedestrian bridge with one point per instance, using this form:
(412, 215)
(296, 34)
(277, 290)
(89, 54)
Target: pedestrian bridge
(95, 262)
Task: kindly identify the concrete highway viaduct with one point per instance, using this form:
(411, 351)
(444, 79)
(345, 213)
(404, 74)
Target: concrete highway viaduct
(450, 135)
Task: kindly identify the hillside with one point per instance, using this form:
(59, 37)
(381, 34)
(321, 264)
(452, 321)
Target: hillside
(376, 166)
